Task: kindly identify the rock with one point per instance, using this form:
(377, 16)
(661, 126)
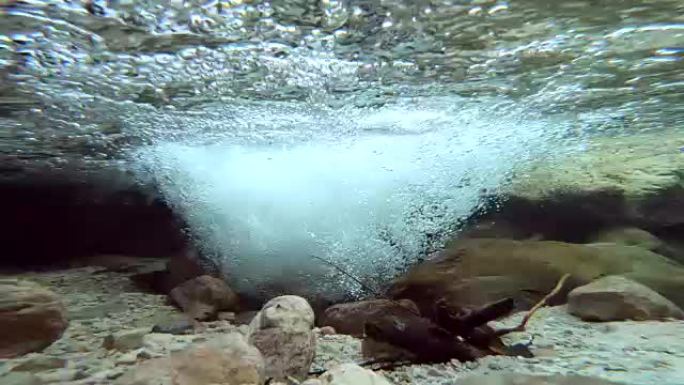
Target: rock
(127, 358)
(39, 362)
(98, 311)
(629, 236)
(327, 331)
(118, 263)
(373, 350)
(245, 317)
(185, 266)
(477, 271)
(203, 297)
(312, 381)
(20, 378)
(352, 374)
(181, 267)
(157, 371)
(615, 298)
(226, 316)
(350, 318)
(283, 332)
(31, 317)
(125, 340)
(227, 360)
(494, 228)
(506, 378)
(181, 325)
(632, 236)
(61, 375)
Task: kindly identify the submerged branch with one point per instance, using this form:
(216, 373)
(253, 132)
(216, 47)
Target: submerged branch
(544, 301)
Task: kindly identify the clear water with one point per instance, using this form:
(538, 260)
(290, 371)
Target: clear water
(356, 131)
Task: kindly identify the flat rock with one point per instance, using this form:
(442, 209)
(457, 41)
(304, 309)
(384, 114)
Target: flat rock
(31, 317)
(203, 297)
(283, 332)
(616, 298)
(350, 318)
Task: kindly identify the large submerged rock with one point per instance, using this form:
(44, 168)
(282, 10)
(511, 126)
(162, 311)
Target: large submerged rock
(616, 298)
(478, 271)
(31, 317)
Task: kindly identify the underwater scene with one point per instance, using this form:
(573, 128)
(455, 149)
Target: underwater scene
(342, 192)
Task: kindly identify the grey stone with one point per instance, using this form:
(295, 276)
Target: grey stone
(283, 332)
(616, 298)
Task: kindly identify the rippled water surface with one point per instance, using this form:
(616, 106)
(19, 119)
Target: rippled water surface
(353, 130)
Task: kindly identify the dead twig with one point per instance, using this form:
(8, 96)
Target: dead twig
(544, 301)
(349, 275)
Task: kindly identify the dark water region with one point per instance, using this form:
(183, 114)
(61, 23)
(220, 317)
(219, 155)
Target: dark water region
(341, 192)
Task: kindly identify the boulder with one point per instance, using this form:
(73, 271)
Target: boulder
(283, 332)
(31, 317)
(352, 374)
(350, 318)
(477, 271)
(507, 378)
(616, 298)
(203, 297)
(227, 360)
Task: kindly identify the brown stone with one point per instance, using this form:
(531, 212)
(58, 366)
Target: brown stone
(350, 318)
(31, 317)
(203, 297)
